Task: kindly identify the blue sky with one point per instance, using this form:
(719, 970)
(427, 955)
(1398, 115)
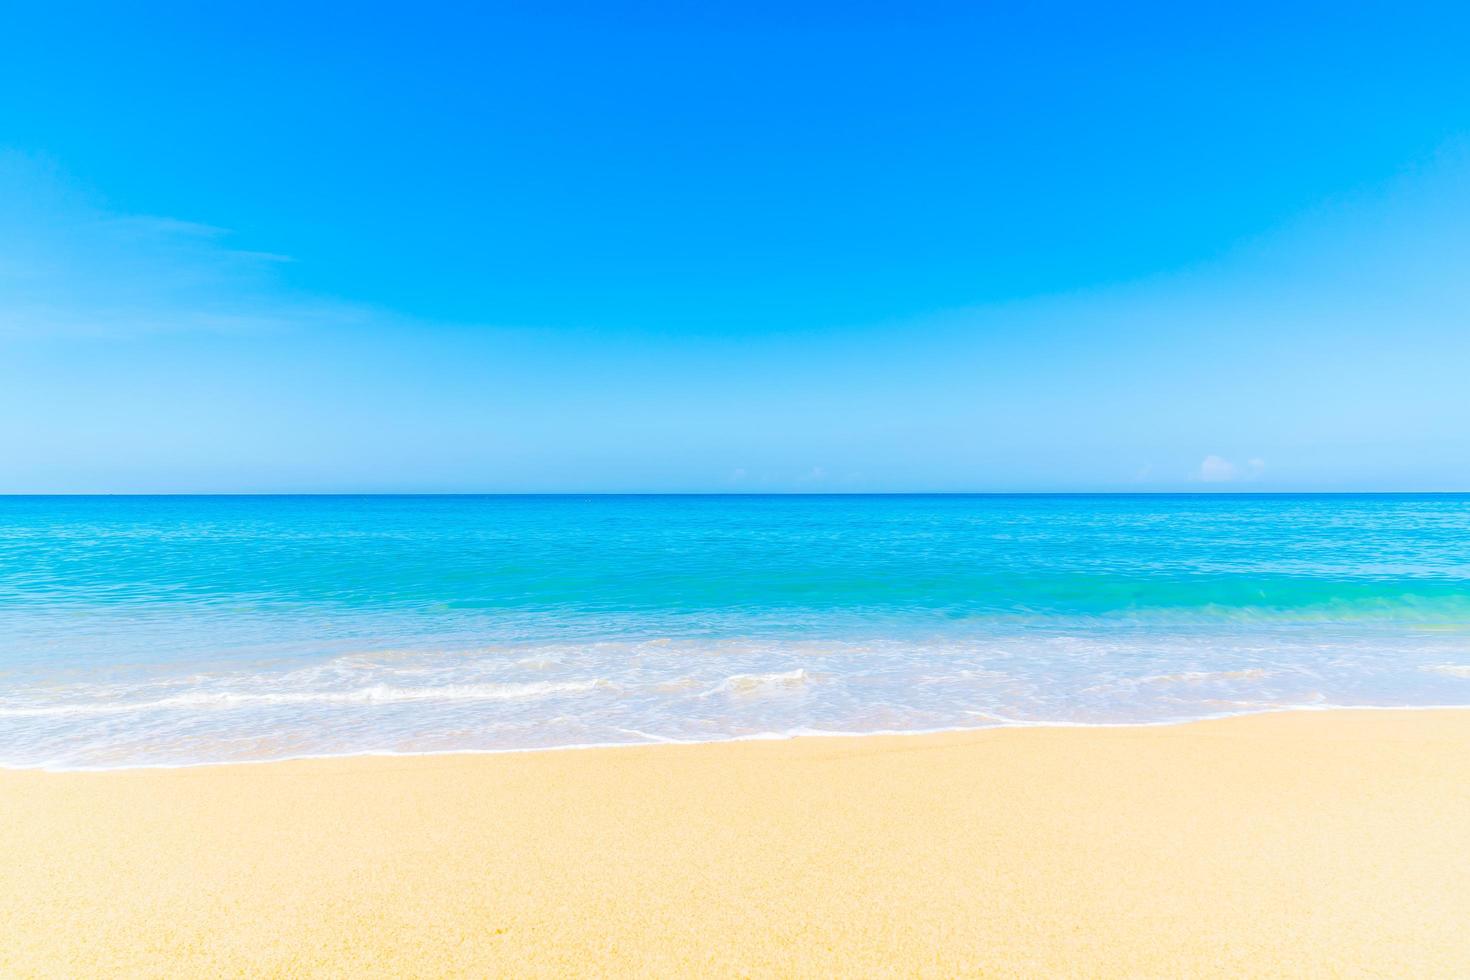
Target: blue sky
(745, 247)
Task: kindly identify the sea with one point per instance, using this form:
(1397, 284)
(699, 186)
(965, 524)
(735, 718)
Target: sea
(178, 630)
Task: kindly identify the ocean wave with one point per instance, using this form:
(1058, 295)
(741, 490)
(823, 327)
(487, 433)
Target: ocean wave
(538, 663)
(748, 684)
(677, 685)
(373, 694)
(1203, 676)
(563, 692)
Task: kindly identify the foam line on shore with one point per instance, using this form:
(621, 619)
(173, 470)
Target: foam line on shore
(800, 733)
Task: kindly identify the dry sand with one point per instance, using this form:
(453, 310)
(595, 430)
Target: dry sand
(1310, 843)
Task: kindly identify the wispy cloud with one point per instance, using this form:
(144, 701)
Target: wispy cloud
(1335, 349)
(69, 267)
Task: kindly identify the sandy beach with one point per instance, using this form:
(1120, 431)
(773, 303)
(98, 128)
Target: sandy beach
(1300, 843)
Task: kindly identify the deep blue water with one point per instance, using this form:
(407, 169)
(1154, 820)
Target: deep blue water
(183, 629)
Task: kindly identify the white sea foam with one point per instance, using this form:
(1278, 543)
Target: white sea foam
(748, 684)
(538, 663)
(1205, 676)
(557, 694)
(374, 694)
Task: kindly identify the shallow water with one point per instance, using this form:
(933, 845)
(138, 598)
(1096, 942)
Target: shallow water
(146, 630)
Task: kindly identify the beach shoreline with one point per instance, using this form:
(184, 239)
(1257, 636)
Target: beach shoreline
(1287, 842)
(652, 741)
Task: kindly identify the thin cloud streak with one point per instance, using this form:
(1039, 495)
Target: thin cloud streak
(72, 269)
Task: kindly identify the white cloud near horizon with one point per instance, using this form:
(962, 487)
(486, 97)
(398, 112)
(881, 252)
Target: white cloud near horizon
(1218, 469)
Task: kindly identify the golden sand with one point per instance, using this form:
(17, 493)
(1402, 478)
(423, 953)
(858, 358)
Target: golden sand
(1298, 844)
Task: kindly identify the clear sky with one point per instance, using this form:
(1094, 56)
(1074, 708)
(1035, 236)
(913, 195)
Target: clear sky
(745, 247)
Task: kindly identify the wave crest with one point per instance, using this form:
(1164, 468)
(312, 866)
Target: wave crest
(751, 684)
(372, 694)
(1202, 676)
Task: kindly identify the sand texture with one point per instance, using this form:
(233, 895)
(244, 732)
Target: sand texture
(1301, 844)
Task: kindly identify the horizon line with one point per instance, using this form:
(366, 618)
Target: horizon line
(732, 493)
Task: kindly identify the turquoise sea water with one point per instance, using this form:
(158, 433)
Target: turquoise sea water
(146, 630)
